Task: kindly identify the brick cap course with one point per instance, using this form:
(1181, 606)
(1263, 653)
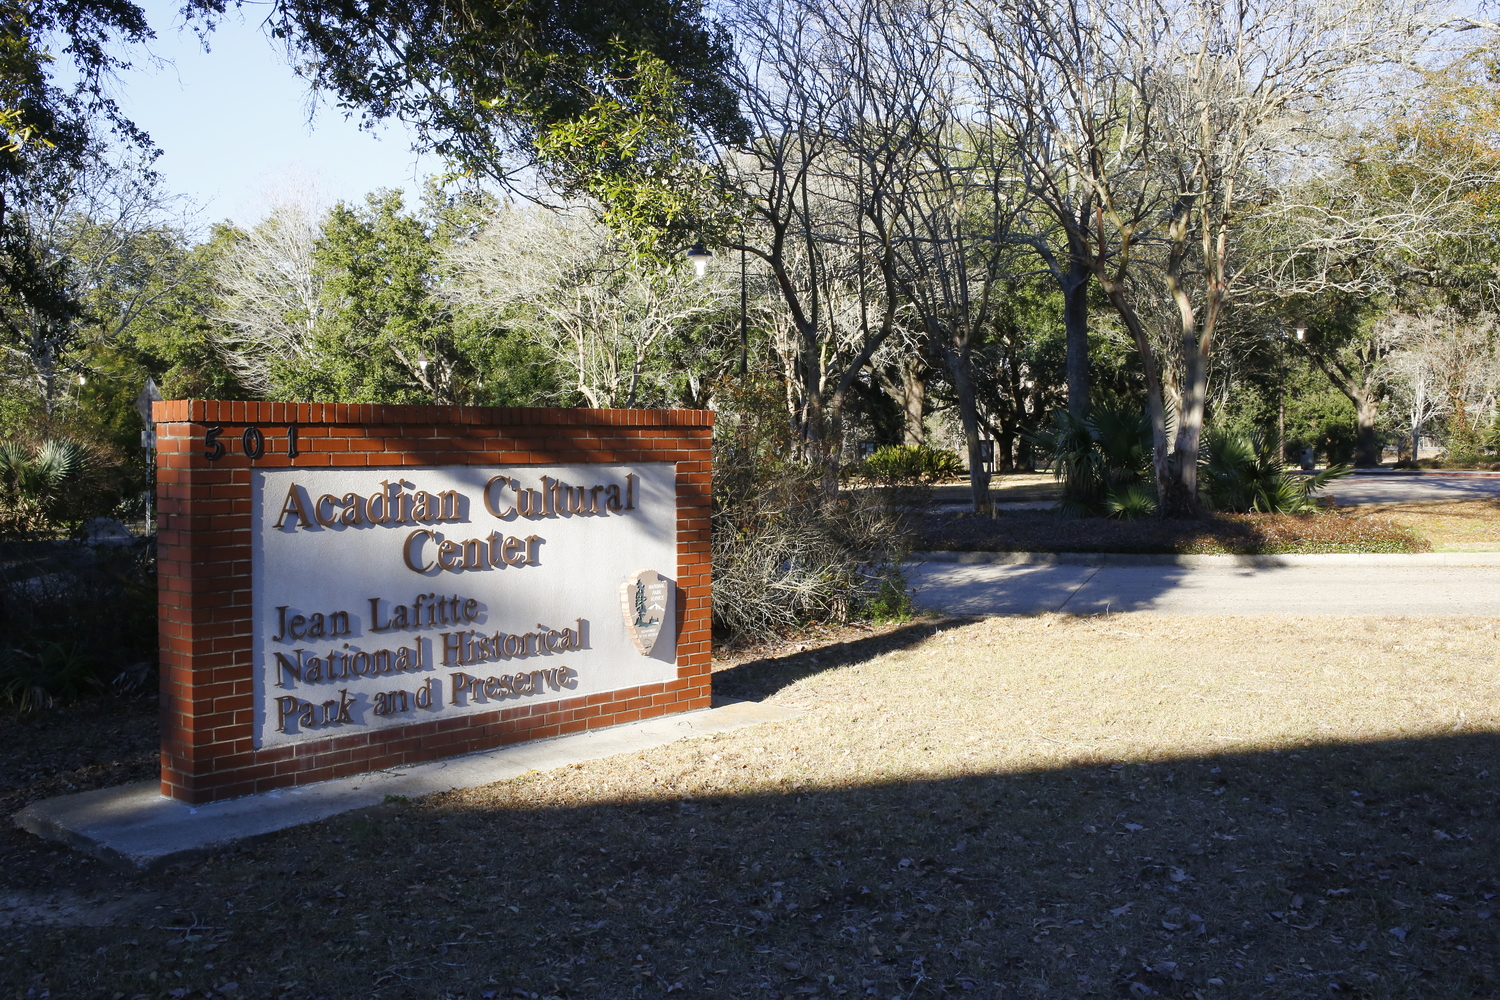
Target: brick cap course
(215, 411)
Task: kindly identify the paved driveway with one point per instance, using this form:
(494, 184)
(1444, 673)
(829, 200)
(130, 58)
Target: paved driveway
(1378, 588)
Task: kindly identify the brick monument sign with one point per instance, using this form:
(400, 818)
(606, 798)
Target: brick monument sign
(345, 588)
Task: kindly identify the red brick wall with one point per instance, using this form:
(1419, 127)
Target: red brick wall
(207, 748)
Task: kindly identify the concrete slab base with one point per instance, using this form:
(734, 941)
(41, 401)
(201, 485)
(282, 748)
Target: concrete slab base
(134, 829)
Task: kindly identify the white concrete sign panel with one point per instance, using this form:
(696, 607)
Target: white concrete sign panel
(386, 597)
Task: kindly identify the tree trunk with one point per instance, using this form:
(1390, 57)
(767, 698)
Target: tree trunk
(913, 399)
(968, 412)
(1075, 289)
(1190, 420)
(1005, 445)
(1168, 492)
(1366, 444)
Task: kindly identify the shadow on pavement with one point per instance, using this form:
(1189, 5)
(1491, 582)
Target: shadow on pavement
(1029, 589)
(1362, 870)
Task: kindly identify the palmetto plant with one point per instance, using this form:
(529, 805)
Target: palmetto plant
(49, 485)
(1244, 472)
(1103, 461)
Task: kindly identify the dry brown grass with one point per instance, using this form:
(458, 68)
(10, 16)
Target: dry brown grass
(1047, 807)
(1447, 524)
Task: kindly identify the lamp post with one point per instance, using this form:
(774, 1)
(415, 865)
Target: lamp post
(1281, 395)
(422, 363)
(148, 395)
(698, 255)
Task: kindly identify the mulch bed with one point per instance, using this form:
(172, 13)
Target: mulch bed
(1239, 534)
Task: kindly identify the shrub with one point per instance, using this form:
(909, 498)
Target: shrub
(74, 621)
(786, 554)
(53, 485)
(1100, 460)
(1244, 473)
(911, 463)
(1129, 503)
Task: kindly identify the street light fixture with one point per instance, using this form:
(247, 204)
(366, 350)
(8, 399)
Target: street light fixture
(698, 256)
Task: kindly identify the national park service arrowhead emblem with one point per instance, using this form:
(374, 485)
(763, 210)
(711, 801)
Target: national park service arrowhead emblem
(646, 601)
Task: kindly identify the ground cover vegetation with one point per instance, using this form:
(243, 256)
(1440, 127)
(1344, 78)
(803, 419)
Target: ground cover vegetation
(1063, 807)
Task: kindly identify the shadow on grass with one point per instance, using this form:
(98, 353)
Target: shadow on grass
(761, 678)
(1363, 870)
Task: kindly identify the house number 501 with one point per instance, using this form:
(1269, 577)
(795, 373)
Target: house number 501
(253, 443)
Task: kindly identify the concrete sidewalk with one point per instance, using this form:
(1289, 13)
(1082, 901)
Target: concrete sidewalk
(1430, 584)
(134, 829)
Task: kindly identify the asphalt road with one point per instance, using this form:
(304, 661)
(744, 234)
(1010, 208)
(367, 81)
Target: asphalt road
(1377, 588)
(1410, 489)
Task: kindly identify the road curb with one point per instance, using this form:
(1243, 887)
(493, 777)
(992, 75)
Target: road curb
(1416, 559)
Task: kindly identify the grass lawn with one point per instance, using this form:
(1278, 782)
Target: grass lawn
(1471, 525)
(1013, 807)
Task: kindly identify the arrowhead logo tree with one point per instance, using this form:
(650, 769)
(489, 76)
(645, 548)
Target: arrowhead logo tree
(646, 603)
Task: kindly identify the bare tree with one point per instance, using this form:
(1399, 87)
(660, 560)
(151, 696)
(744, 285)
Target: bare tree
(952, 200)
(1411, 375)
(1443, 364)
(272, 301)
(813, 186)
(605, 315)
(1183, 118)
(113, 245)
(1072, 88)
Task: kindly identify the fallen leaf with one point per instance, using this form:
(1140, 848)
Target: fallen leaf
(1399, 933)
(1134, 827)
(1120, 911)
(1171, 926)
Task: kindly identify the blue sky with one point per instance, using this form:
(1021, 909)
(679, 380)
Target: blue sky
(233, 123)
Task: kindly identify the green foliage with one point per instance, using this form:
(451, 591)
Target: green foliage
(892, 601)
(1100, 458)
(53, 485)
(349, 309)
(53, 672)
(634, 152)
(172, 338)
(485, 82)
(380, 321)
(912, 463)
(1244, 473)
(1130, 503)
